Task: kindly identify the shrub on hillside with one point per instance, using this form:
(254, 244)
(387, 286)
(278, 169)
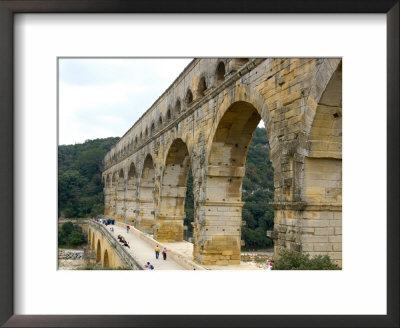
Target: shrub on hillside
(76, 238)
(71, 234)
(291, 260)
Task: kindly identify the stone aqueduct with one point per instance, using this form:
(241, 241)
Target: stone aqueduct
(205, 121)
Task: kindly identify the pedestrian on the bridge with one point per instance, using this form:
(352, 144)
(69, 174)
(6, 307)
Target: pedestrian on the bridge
(164, 253)
(157, 250)
(127, 229)
(149, 266)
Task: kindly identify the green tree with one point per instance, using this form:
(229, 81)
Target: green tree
(257, 192)
(76, 238)
(189, 204)
(67, 228)
(80, 188)
(291, 260)
(71, 234)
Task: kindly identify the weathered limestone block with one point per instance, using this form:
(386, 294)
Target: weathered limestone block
(146, 216)
(169, 229)
(218, 233)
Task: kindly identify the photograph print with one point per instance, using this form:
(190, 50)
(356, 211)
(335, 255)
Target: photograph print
(200, 163)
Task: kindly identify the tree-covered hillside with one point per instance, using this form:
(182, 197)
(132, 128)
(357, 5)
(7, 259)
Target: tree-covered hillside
(80, 191)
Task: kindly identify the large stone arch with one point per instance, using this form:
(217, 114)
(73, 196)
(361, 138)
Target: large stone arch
(172, 192)
(146, 195)
(325, 147)
(93, 241)
(328, 71)
(106, 260)
(322, 174)
(308, 202)
(98, 251)
(217, 234)
(325, 135)
(120, 197)
(241, 93)
(131, 194)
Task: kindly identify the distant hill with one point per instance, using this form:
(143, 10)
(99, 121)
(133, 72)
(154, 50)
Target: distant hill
(80, 191)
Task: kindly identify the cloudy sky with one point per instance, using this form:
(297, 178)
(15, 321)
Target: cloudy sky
(100, 98)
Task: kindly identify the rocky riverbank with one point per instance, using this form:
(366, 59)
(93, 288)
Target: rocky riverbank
(70, 259)
(257, 259)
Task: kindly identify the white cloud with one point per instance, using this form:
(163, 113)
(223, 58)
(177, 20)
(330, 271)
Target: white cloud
(99, 98)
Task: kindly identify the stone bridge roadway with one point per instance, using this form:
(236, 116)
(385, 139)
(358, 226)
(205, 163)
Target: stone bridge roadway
(142, 251)
(179, 255)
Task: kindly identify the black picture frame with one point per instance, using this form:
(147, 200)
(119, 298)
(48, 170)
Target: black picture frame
(10, 7)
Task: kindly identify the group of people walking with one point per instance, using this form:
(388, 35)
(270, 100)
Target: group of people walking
(150, 266)
(164, 252)
(157, 250)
